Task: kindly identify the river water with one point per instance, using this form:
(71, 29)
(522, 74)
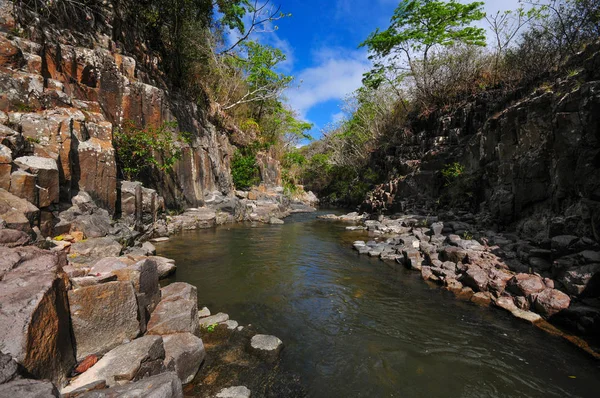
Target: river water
(358, 327)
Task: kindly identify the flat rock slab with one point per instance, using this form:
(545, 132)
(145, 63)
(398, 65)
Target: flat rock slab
(165, 385)
(130, 362)
(211, 320)
(174, 315)
(266, 346)
(234, 392)
(103, 317)
(28, 389)
(92, 250)
(179, 290)
(184, 353)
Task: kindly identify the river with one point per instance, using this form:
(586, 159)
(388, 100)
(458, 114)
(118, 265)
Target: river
(358, 327)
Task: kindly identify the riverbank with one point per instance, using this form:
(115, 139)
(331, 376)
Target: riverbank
(551, 284)
(83, 311)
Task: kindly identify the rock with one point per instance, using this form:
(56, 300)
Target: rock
(92, 250)
(165, 385)
(215, 319)
(47, 181)
(177, 312)
(184, 353)
(23, 185)
(17, 213)
(437, 228)
(34, 312)
(149, 248)
(87, 363)
(159, 240)
(97, 385)
(97, 158)
(562, 243)
(577, 279)
(231, 324)
(525, 285)
(453, 254)
(276, 221)
(412, 259)
(13, 238)
(506, 303)
(234, 392)
(590, 256)
(107, 266)
(551, 301)
(28, 389)
(540, 264)
(476, 278)
(203, 313)
(453, 286)
(481, 298)
(528, 316)
(95, 225)
(8, 368)
(267, 347)
(103, 316)
(133, 361)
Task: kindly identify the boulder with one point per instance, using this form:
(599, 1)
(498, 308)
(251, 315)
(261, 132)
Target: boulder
(16, 212)
(267, 347)
(23, 185)
(551, 301)
(93, 225)
(97, 158)
(214, 319)
(177, 312)
(107, 266)
(476, 278)
(13, 238)
(184, 353)
(133, 361)
(525, 285)
(103, 316)
(8, 368)
(26, 388)
(234, 392)
(165, 385)
(34, 312)
(412, 259)
(166, 266)
(481, 298)
(453, 254)
(91, 250)
(576, 279)
(46, 171)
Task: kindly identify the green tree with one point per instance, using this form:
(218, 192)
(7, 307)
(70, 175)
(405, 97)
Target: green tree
(417, 28)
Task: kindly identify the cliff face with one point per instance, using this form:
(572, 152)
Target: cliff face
(61, 99)
(531, 158)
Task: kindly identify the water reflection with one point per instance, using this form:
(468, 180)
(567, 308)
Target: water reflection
(356, 327)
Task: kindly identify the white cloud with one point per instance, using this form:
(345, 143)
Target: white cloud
(337, 73)
(338, 117)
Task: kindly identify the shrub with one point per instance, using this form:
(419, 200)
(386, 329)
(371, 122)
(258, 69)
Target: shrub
(244, 171)
(142, 149)
(452, 172)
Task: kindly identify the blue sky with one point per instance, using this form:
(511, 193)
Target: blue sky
(321, 42)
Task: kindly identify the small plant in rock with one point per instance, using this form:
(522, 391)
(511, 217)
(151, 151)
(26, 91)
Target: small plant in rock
(467, 235)
(143, 149)
(452, 172)
(211, 328)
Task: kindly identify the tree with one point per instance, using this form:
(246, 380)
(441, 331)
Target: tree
(417, 28)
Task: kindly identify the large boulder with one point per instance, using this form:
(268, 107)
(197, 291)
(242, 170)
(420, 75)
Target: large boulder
(47, 181)
(92, 250)
(13, 238)
(98, 171)
(23, 185)
(34, 314)
(129, 362)
(177, 312)
(26, 388)
(551, 301)
(165, 385)
(103, 317)
(475, 278)
(8, 368)
(577, 279)
(184, 353)
(525, 285)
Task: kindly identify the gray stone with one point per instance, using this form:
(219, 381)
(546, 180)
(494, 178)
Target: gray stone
(276, 221)
(28, 389)
(231, 324)
(576, 279)
(437, 228)
(204, 312)
(176, 313)
(92, 250)
(266, 346)
(166, 266)
(129, 362)
(184, 353)
(8, 368)
(525, 285)
(103, 317)
(165, 385)
(13, 238)
(214, 319)
(179, 290)
(234, 392)
(47, 181)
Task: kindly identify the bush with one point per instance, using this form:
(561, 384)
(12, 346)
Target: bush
(244, 171)
(140, 150)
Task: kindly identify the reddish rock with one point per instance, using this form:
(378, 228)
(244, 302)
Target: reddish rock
(525, 285)
(551, 301)
(476, 278)
(87, 363)
(453, 254)
(16, 212)
(23, 185)
(47, 182)
(11, 56)
(98, 171)
(481, 298)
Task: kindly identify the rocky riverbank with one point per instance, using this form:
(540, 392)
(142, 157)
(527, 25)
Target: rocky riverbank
(552, 283)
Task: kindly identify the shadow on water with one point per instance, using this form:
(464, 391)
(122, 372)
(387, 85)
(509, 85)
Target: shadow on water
(357, 327)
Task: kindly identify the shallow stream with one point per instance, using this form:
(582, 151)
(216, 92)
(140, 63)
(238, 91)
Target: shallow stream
(358, 327)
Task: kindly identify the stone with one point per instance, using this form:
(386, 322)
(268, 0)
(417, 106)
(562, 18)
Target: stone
(18, 213)
(184, 353)
(179, 290)
(214, 319)
(94, 225)
(47, 181)
(481, 298)
(133, 361)
(412, 259)
(166, 266)
(92, 250)
(506, 303)
(87, 363)
(234, 392)
(266, 346)
(8, 368)
(551, 301)
(525, 285)
(27, 388)
(562, 243)
(13, 238)
(97, 385)
(276, 221)
(476, 278)
(231, 324)
(165, 385)
(576, 279)
(539, 263)
(103, 317)
(437, 228)
(23, 185)
(97, 158)
(590, 256)
(34, 312)
(528, 316)
(174, 315)
(203, 313)
(453, 254)
(107, 266)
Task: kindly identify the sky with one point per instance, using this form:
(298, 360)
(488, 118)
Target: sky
(321, 41)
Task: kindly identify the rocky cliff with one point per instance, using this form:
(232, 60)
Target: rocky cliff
(528, 158)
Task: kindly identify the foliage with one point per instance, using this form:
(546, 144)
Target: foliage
(453, 171)
(142, 149)
(244, 170)
(211, 328)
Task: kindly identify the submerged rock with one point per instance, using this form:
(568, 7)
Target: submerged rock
(234, 392)
(266, 346)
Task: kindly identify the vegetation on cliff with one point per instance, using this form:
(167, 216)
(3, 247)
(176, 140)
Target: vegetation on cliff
(429, 62)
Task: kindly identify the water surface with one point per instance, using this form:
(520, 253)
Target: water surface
(358, 327)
